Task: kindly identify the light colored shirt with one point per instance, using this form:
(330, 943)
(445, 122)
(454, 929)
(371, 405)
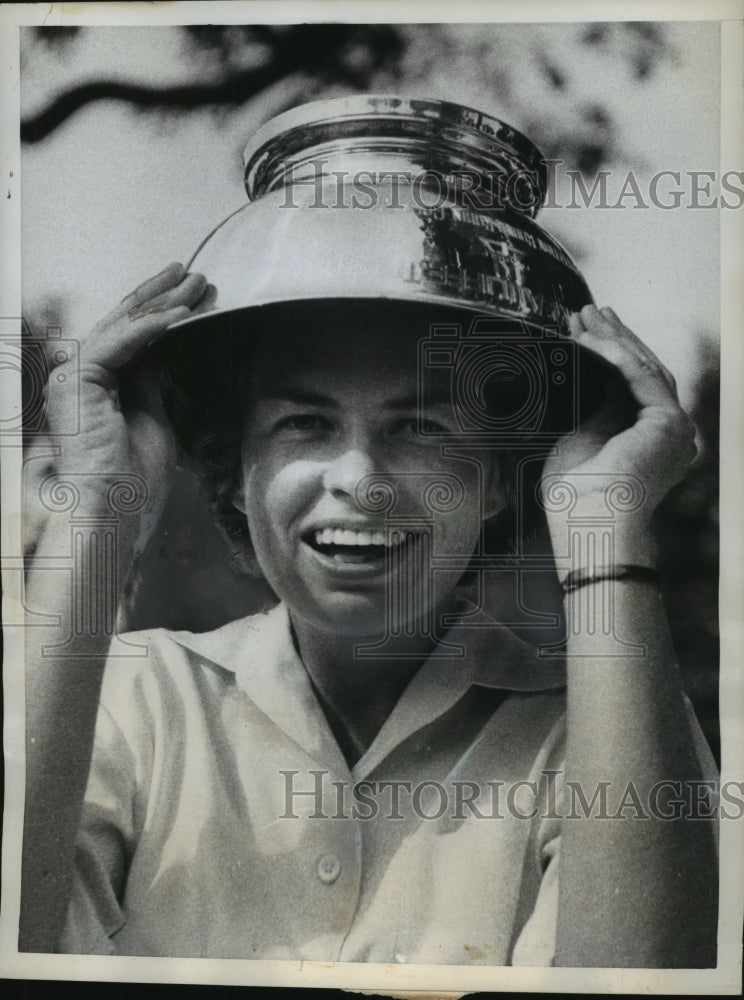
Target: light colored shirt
(221, 819)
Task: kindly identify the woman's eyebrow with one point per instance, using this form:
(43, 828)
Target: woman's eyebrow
(419, 401)
(305, 397)
(308, 397)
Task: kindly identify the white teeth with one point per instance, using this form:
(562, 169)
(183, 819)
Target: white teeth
(345, 536)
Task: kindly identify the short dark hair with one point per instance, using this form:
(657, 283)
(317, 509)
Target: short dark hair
(204, 395)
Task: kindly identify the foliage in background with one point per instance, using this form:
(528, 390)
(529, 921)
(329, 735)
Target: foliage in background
(227, 66)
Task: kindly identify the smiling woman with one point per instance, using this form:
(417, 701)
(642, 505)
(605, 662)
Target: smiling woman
(360, 423)
(362, 429)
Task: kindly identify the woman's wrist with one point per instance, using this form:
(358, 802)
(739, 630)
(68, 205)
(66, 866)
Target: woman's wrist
(604, 575)
(585, 547)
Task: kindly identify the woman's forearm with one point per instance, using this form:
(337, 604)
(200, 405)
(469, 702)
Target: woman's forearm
(636, 888)
(115, 474)
(64, 669)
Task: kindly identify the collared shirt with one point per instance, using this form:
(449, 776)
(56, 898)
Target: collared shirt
(221, 819)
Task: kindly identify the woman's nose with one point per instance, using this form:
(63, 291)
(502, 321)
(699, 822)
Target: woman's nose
(346, 471)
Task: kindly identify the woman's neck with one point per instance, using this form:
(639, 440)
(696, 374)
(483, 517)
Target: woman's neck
(358, 692)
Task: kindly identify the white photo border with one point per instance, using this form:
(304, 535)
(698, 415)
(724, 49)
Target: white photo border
(726, 978)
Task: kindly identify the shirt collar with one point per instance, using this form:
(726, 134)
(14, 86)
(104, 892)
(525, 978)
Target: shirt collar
(260, 652)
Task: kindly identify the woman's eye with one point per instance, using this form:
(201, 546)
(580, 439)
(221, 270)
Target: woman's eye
(431, 427)
(303, 423)
(420, 427)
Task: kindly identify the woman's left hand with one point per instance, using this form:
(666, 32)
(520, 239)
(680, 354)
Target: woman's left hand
(654, 449)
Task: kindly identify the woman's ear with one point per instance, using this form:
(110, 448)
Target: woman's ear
(237, 497)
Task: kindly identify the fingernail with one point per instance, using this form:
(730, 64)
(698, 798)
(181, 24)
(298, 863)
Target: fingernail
(151, 307)
(176, 264)
(155, 277)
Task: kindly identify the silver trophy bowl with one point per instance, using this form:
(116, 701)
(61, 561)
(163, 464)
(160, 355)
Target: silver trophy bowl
(379, 197)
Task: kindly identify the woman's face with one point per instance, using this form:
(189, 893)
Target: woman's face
(333, 410)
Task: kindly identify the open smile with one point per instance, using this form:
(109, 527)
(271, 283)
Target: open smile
(345, 548)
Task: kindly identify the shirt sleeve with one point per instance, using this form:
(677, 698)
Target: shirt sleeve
(535, 945)
(106, 838)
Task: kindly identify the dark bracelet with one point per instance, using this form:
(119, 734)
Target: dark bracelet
(584, 577)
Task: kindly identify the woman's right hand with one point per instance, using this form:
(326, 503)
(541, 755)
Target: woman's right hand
(122, 433)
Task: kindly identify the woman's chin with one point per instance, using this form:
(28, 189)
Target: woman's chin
(372, 622)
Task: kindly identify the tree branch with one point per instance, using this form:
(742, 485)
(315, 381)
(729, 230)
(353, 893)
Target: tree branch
(328, 52)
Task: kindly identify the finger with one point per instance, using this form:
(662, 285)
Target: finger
(640, 346)
(207, 301)
(114, 341)
(605, 322)
(169, 277)
(187, 292)
(644, 378)
(619, 329)
(575, 324)
(128, 338)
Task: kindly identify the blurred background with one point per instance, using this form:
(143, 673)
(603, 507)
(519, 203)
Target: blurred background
(131, 153)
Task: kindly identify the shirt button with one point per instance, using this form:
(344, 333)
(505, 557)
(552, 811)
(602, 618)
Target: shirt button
(329, 868)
